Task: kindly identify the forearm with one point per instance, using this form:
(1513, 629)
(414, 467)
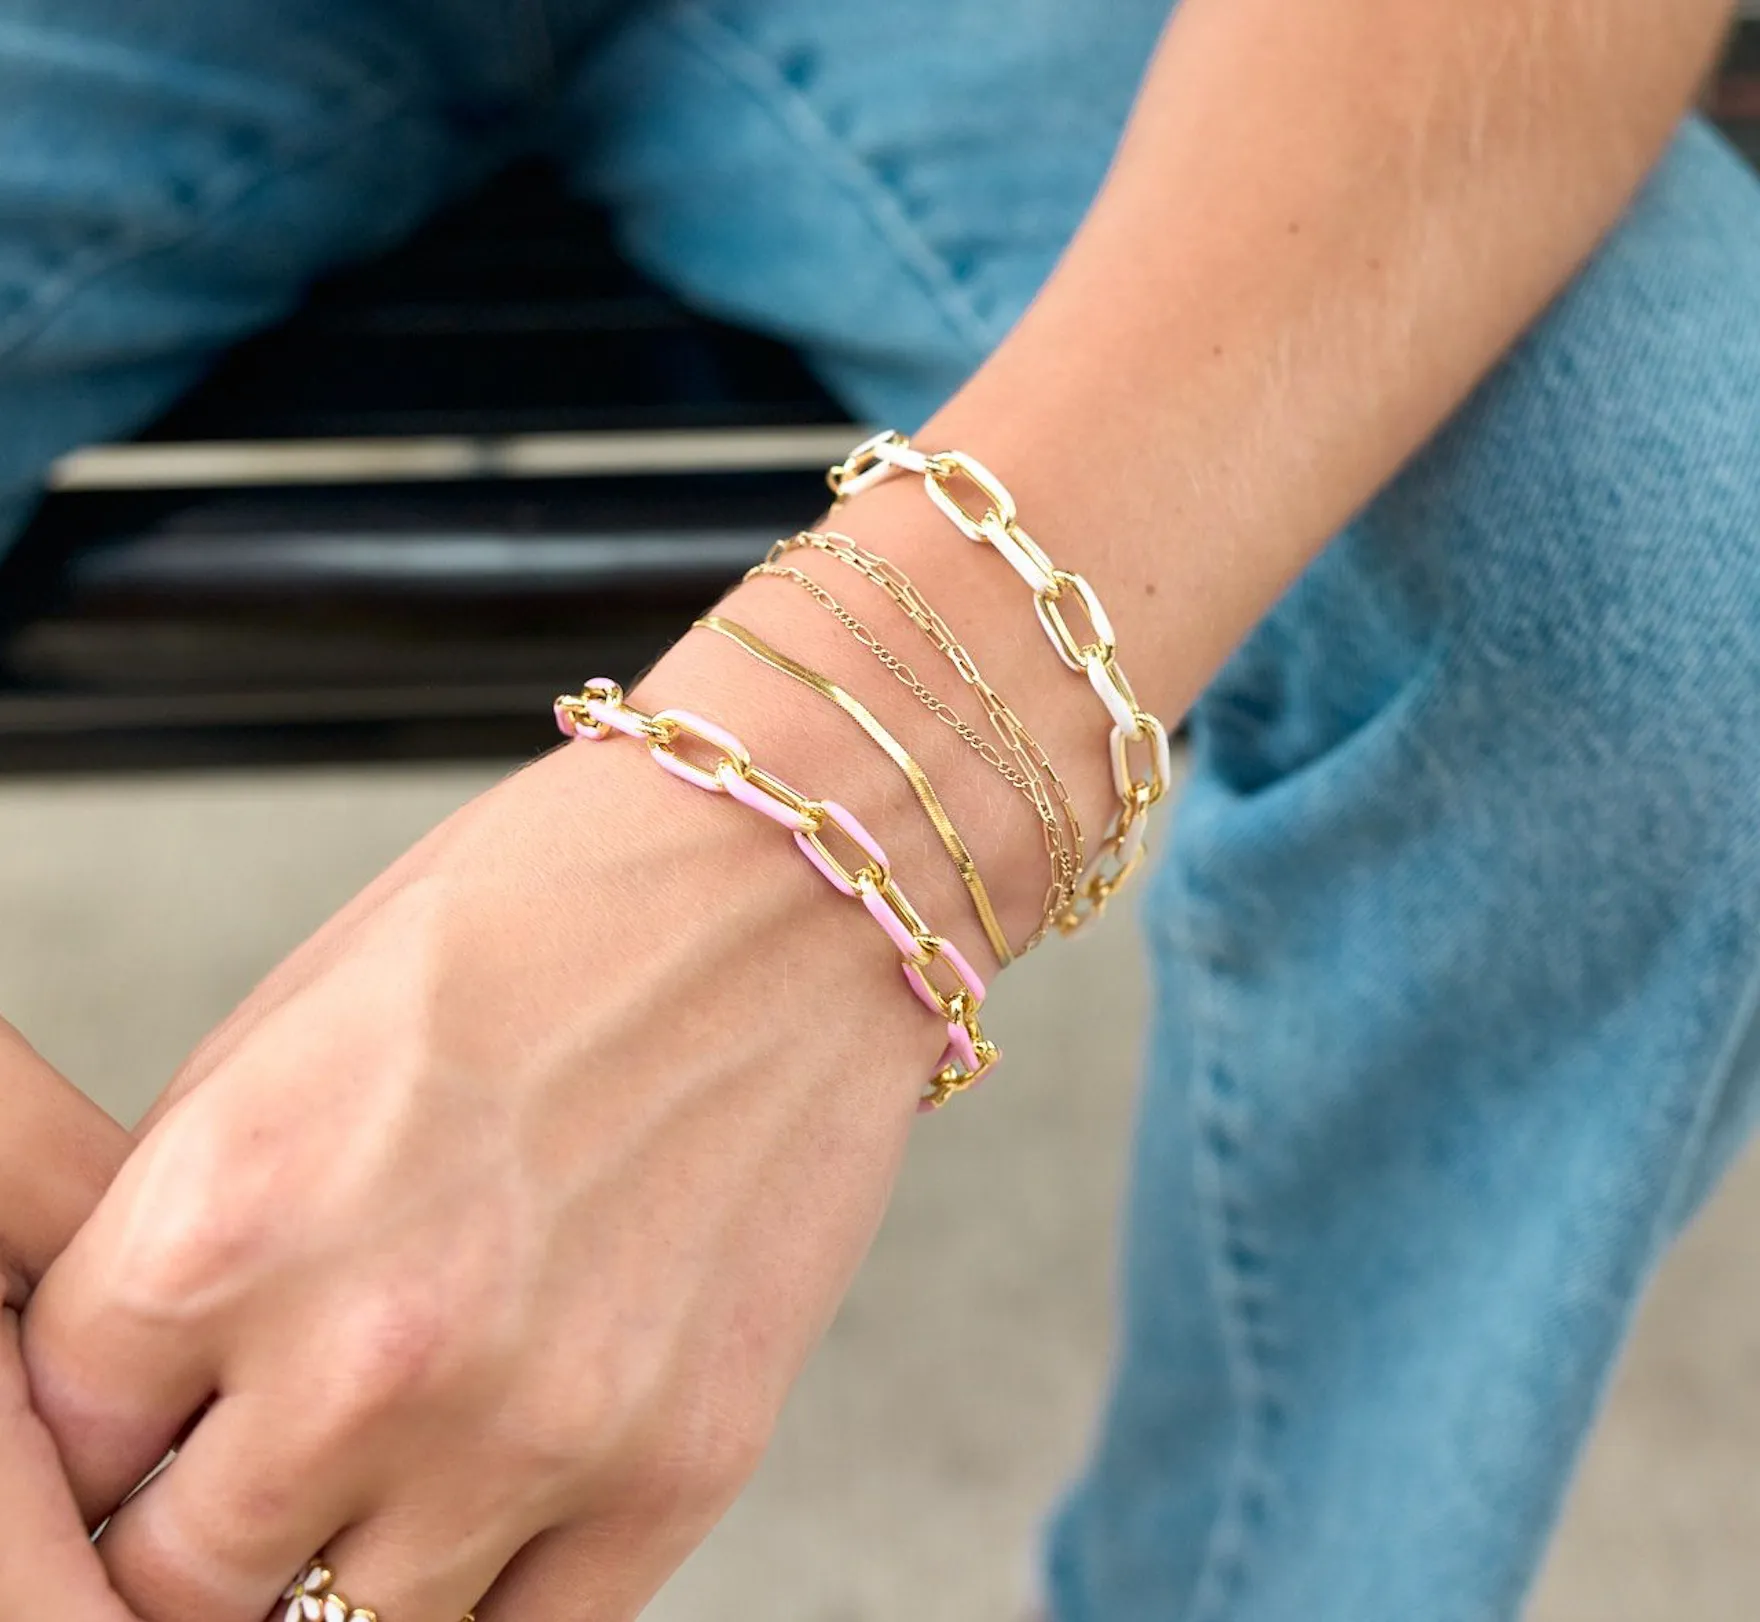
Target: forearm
(1325, 224)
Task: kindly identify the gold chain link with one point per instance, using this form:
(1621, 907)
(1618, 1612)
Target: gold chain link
(926, 695)
(996, 524)
(911, 602)
(1036, 777)
(955, 846)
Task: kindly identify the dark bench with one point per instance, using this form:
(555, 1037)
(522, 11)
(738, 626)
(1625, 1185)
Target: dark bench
(492, 463)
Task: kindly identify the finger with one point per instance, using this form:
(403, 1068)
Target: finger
(116, 1384)
(47, 1565)
(217, 1532)
(606, 1569)
(425, 1562)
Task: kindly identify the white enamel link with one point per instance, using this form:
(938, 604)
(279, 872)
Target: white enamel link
(1021, 553)
(1128, 845)
(939, 473)
(1075, 654)
(877, 458)
(1113, 691)
(861, 467)
(900, 455)
(1122, 849)
(1160, 762)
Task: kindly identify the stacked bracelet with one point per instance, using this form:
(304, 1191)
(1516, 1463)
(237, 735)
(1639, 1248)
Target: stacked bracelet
(889, 452)
(936, 971)
(600, 709)
(1031, 772)
(958, 851)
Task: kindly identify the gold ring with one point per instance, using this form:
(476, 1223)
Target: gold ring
(310, 1598)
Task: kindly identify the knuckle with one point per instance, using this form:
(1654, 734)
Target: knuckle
(393, 1348)
(548, 1455)
(182, 1263)
(563, 1440)
(187, 1240)
(703, 1462)
(148, 1580)
(160, 1567)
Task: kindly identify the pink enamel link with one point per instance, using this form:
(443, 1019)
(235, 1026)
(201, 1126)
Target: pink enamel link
(918, 947)
(572, 710)
(596, 711)
(896, 916)
(813, 847)
(614, 716)
(600, 709)
(754, 789)
(682, 724)
(961, 1055)
(970, 984)
(962, 1050)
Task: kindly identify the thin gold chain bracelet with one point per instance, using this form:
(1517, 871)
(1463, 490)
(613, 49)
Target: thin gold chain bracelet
(920, 689)
(1037, 777)
(958, 851)
(997, 525)
(910, 601)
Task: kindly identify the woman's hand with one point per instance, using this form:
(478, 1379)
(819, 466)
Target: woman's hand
(58, 1152)
(491, 1231)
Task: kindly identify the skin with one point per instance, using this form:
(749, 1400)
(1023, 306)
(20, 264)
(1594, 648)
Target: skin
(57, 1156)
(487, 1237)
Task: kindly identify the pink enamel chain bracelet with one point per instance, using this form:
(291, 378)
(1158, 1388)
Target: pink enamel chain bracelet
(599, 710)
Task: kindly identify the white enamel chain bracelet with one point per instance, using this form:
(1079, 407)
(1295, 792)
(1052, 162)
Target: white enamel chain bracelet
(1140, 782)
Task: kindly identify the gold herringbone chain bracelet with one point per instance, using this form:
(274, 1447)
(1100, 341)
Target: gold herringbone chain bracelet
(1033, 775)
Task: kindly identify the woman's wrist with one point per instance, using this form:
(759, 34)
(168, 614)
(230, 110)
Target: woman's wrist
(992, 615)
(811, 743)
(759, 706)
(704, 893)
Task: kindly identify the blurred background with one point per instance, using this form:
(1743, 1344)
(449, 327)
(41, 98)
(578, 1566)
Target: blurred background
(386, 533)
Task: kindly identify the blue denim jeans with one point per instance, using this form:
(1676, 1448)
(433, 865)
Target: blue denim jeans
(1457, 944)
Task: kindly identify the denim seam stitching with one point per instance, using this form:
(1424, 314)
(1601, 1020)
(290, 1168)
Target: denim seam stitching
(1401, 714)
(244, 178)
(794, 113)
(1255, 1389)
(1229, 1539)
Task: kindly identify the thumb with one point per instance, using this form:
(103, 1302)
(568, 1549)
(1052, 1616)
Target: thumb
(58, 1153)
(46, 1558)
